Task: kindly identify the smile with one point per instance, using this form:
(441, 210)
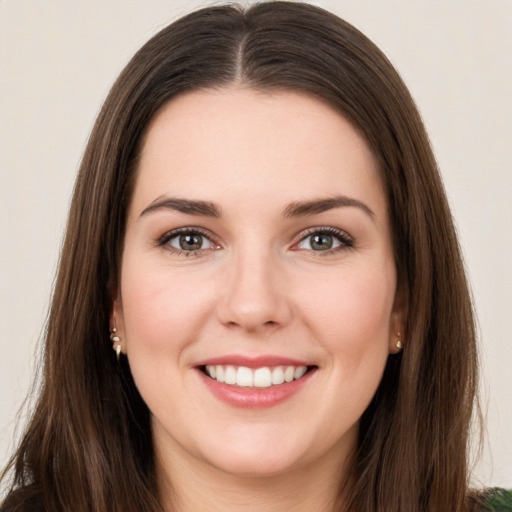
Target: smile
(263, 377)
(254, 382)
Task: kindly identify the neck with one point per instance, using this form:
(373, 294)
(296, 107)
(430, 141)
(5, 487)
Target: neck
(188, 485)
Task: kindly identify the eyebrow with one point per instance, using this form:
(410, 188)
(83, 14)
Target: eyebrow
(188, 206)
(315, 206)
(295, 209)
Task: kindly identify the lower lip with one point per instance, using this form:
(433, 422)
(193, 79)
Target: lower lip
(254, 398)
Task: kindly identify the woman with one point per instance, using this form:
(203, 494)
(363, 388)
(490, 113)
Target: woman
(272, 252)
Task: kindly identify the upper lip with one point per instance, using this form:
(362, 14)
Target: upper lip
(253, 361)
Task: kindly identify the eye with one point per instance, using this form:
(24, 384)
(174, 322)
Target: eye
(188, 241)
(324, 240)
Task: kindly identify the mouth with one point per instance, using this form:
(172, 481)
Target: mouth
(262, 377)
(255, 382)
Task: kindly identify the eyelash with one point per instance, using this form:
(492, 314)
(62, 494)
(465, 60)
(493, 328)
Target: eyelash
(346, 242)
(164, 240)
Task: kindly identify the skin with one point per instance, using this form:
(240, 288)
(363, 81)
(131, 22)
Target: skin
(256, 287)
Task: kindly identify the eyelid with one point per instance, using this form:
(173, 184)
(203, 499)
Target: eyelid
(194, 230)
(346, 241)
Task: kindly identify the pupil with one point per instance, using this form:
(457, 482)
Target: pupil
(321, 242)
(190, 242)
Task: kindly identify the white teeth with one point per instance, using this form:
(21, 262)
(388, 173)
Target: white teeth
(230, 375)
(259, 378)
(288, 373)
(299, 372)
(244, 377)
(277, 375)
(262, 378)
(211, 370)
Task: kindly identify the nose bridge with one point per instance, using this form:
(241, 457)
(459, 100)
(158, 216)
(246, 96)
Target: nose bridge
(255, 297)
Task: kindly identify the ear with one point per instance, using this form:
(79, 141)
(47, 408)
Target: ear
(397, 321)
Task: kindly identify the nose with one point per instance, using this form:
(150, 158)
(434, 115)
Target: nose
(255, 297)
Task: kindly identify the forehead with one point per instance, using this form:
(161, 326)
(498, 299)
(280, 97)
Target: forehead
(219, 144)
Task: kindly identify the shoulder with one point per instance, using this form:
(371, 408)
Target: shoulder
(498, 500)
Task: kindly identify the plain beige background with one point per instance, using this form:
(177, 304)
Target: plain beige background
(58, 59)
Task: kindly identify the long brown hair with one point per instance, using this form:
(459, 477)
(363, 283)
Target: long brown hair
(88, 446)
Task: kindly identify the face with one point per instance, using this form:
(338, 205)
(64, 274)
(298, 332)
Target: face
(257, 295)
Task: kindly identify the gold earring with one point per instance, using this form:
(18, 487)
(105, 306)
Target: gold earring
(399, 341)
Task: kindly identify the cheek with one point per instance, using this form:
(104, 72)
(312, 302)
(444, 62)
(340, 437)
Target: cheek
(351, 316)
(162, 310)
(163, 314)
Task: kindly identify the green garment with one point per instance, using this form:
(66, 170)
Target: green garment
(498, 500)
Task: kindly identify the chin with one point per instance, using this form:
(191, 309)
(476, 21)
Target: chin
(258, 454)
(255, 466)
